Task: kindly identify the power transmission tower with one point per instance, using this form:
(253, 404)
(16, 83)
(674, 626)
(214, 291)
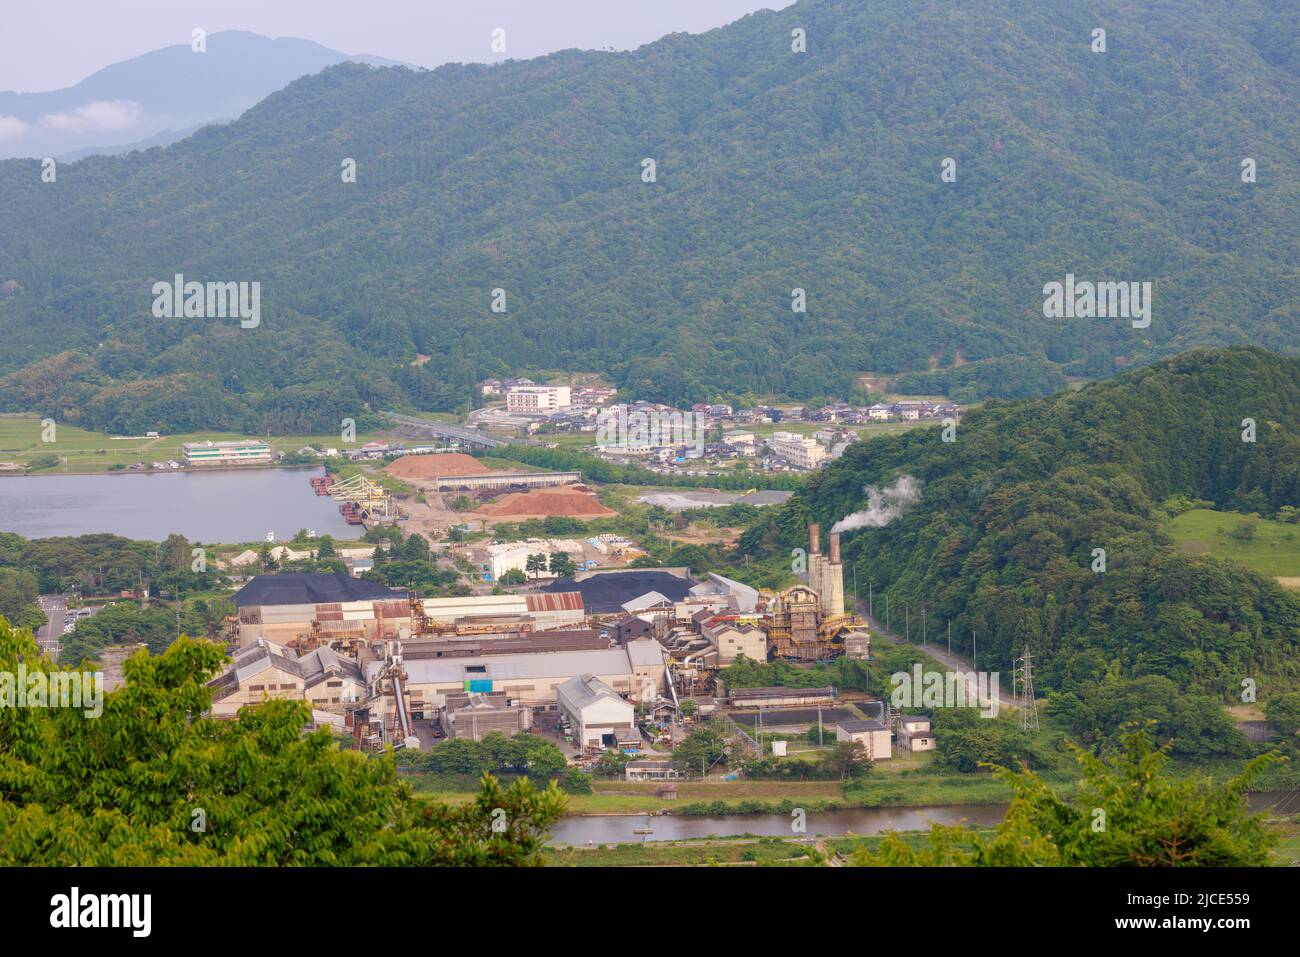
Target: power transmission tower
(1029, 713)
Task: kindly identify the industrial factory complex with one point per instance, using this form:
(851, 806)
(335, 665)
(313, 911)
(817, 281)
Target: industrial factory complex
(383, 664)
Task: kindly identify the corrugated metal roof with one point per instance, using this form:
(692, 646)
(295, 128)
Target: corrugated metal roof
(555, 601)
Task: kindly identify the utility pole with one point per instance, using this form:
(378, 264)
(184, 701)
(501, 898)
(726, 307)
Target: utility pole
(974, 648)
(950, 636)
(887, 618)
(819, 726)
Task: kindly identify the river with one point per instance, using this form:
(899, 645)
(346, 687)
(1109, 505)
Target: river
(213, 507)
(614, 829)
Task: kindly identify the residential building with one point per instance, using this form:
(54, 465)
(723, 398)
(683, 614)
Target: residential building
(800, 451)
(915, 734)
(537, 398)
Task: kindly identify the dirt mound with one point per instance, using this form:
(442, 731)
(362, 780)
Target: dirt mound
(566, 502)
(435, 466)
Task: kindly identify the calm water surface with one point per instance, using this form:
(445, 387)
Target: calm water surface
(229, 506)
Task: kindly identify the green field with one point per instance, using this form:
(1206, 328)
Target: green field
(83, 451)
(1274, 550)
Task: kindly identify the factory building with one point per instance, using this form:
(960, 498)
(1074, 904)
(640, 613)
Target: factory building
(826, 572)
(635, 670)
(298, 610)
(265, 671)
(305, 610)
(730, 640)
(473, 715)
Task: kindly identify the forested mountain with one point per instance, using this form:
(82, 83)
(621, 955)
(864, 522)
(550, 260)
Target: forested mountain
(1003, 536)
(775, 170)
(160, 96)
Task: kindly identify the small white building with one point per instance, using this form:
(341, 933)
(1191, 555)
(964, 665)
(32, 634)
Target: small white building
(915, 734)
(872, 735)
(598, 715)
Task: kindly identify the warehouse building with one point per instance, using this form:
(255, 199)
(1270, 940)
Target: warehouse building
(781, 697)
(606, 592)
(599, 716)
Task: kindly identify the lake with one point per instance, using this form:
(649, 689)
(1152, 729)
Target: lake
(212, 507)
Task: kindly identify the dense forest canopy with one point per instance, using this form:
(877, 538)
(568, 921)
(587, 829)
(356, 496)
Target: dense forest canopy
(1004, 538)
(774, 170)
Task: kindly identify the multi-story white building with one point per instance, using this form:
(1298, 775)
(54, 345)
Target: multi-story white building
(226, 453)
(799, 450)
(538, 398)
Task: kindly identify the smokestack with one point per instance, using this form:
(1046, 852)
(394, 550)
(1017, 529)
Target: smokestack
(814, 539)
(835, 548)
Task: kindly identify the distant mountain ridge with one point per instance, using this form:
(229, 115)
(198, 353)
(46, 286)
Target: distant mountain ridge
(173, 90)
(775, 171)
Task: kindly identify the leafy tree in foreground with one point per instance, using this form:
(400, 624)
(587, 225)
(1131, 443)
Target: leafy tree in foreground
(128, 788)
(1126, 812)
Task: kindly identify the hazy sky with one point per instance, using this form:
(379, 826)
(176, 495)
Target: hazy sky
(50, 44)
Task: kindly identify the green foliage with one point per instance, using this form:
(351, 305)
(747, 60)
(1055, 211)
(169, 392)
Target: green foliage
(701, 749)
(967, 741)
(526, 754)
(118, 624)
(1002, 541)
(574, 781)
(107, 564)
(127, 788)
(512, 576)
(769, 165)
(1284, 712)
(1127, 811)
(1196, 724)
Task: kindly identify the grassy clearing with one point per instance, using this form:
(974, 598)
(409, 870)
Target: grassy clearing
(84, 452)
(1274, 550)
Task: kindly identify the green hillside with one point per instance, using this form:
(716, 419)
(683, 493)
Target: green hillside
(1003, 537)
(775, 170)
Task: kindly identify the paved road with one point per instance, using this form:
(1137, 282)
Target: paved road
(48, 637)
(940, 654)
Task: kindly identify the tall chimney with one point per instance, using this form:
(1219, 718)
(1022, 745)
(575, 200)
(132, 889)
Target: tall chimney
(835, 548)
(815, 539)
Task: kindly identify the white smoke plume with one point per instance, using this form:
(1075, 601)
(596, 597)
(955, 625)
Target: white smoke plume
(883, 505)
